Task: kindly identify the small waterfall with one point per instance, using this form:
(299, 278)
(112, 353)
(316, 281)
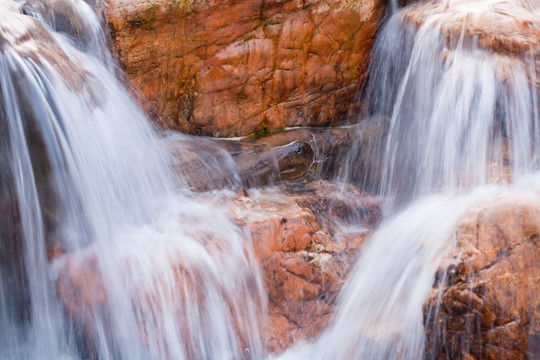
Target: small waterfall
(459, 117)
(102, 256)
(456, 123)
(380, 308)
(91, 213)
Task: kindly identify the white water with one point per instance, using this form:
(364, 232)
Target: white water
(380, 308)
(82, 171)
(453, 138)
(455, 124)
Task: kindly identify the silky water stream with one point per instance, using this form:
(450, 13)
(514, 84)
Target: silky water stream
(91, 211)
(463, 127)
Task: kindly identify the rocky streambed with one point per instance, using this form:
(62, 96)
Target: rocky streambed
(305, 200)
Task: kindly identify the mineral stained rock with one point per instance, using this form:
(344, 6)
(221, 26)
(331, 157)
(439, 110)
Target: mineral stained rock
(236, 67)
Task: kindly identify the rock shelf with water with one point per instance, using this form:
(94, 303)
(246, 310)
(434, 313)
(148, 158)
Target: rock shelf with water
(410, 233)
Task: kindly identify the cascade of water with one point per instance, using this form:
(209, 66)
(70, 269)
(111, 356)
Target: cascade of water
(380, 308)
(459, 117)
(101, 256)
(90, 203)
(452, 116)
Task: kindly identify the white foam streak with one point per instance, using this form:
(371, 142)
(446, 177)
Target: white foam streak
(459, 117)
(177, 276)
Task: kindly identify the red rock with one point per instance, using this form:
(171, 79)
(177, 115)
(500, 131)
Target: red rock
(304, 262)
(228, 68)
(490, 303)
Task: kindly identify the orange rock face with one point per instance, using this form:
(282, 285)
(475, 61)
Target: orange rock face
(304, 258)
(490, 300)
(235, 67)
(304, 262)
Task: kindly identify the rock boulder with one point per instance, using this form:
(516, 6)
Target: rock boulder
(488, 304)
(236, 67)
(305, 257)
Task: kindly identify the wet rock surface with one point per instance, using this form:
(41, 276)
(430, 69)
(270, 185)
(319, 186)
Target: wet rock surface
(304, 258)
(490, 297)
(209, 164)
(229, 68)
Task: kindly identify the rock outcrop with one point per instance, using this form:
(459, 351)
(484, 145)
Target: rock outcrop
(304, 265)
(487, 306)
(236, 67)
(304, 258)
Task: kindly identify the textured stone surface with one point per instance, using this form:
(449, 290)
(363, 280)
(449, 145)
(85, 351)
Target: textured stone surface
(490, 300)
(304, 261)
(235, 67)
(305, 258)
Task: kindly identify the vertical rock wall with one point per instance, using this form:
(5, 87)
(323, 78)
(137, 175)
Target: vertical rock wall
(235, 67)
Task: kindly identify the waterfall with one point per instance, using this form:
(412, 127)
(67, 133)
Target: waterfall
(103, 255)
(90, 211)
(460, 117)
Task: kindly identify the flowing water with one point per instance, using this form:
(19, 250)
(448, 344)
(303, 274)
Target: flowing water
(143, 270)
(459, 117)
(89, 206)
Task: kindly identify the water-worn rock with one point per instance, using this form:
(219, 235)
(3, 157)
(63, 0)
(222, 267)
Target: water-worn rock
(207, 164)
(304, 262)
(509, 29)
(304, 256)
(348, 153)
(285, 162)
(236, 67)
(490, 298)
